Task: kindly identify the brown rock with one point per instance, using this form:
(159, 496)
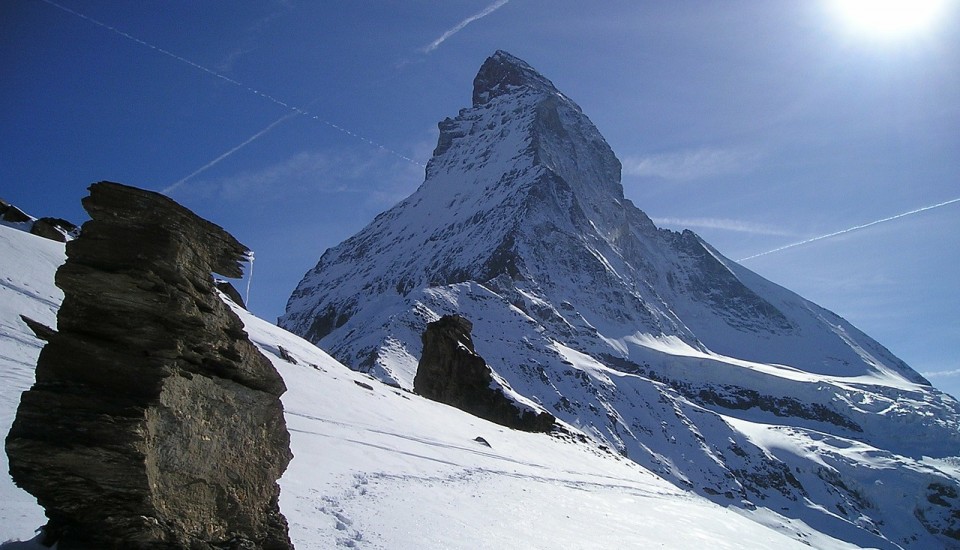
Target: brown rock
(55, 229)
(12, 214)
(450, 371)
(154, 422)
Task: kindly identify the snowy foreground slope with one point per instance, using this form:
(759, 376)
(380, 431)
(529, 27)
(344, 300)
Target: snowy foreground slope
(649, 340)
(378, 467)
(27, 265)
(382, 468)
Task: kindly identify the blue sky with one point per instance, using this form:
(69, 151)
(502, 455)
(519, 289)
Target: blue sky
(757, 124)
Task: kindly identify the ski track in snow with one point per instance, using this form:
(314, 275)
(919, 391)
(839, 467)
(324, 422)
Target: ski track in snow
(624, 483)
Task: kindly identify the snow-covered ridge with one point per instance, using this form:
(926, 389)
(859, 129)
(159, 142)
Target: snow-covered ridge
(649, 340)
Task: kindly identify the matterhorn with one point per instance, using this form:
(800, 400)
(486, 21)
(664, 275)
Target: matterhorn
(651, 342)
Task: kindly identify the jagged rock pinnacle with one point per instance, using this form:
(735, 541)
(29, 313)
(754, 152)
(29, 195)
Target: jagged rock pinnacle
(502, 72)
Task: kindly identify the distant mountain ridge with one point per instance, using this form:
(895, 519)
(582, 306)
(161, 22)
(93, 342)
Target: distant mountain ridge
(649, 340)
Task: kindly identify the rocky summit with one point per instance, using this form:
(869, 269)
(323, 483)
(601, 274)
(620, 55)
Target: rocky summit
(154, 422)
(650, 341)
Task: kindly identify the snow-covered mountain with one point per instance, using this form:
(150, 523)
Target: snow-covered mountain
(649, 340)
(378, 467)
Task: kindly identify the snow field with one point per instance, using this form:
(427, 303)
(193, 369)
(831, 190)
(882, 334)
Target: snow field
(27, 265)
(377, 467)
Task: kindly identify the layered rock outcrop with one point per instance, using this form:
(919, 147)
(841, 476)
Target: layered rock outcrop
(154, 422)
(451, 372)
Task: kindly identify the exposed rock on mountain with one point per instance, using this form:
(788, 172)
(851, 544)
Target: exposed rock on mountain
(154, 422)
(450, 371)
(650, 340)
(11, 214)
(231, 292)
(55, 229)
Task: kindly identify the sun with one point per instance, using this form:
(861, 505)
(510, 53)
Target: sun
(890, 18)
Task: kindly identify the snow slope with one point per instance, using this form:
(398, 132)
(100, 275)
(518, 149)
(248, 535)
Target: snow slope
(27, 265)
(377, 467)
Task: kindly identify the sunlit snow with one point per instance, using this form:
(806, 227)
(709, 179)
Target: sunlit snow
(383, 468)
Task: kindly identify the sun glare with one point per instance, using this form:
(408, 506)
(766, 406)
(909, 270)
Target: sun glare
(890, 17)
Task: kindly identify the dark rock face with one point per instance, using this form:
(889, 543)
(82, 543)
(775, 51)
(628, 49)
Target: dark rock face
(451, 372)
(231, 292)
(55, 229)
(154, 422)
(501, 73)
(12, 214)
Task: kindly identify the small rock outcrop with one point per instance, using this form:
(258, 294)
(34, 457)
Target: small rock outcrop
(154, 422)
(55, 229)
(450, 371)
(12, 214)
(230, 292)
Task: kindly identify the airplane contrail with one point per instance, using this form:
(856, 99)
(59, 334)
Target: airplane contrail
(459, 26)
(237, 83)
(854, 228)
(169, 189)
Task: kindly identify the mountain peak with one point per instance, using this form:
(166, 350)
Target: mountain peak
(503, 72)
(650, 340)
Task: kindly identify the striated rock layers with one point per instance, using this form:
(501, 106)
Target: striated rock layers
(154, 422)
(451, 372)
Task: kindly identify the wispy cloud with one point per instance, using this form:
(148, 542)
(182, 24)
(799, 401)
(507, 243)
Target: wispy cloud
(459, 26)
(692, 164)
(724, 224)
(225, 78)
(231, 59)
(382, 178)
(854, 228)
(941, 374)
(172, 187)
(301, 170)
(254, 32)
